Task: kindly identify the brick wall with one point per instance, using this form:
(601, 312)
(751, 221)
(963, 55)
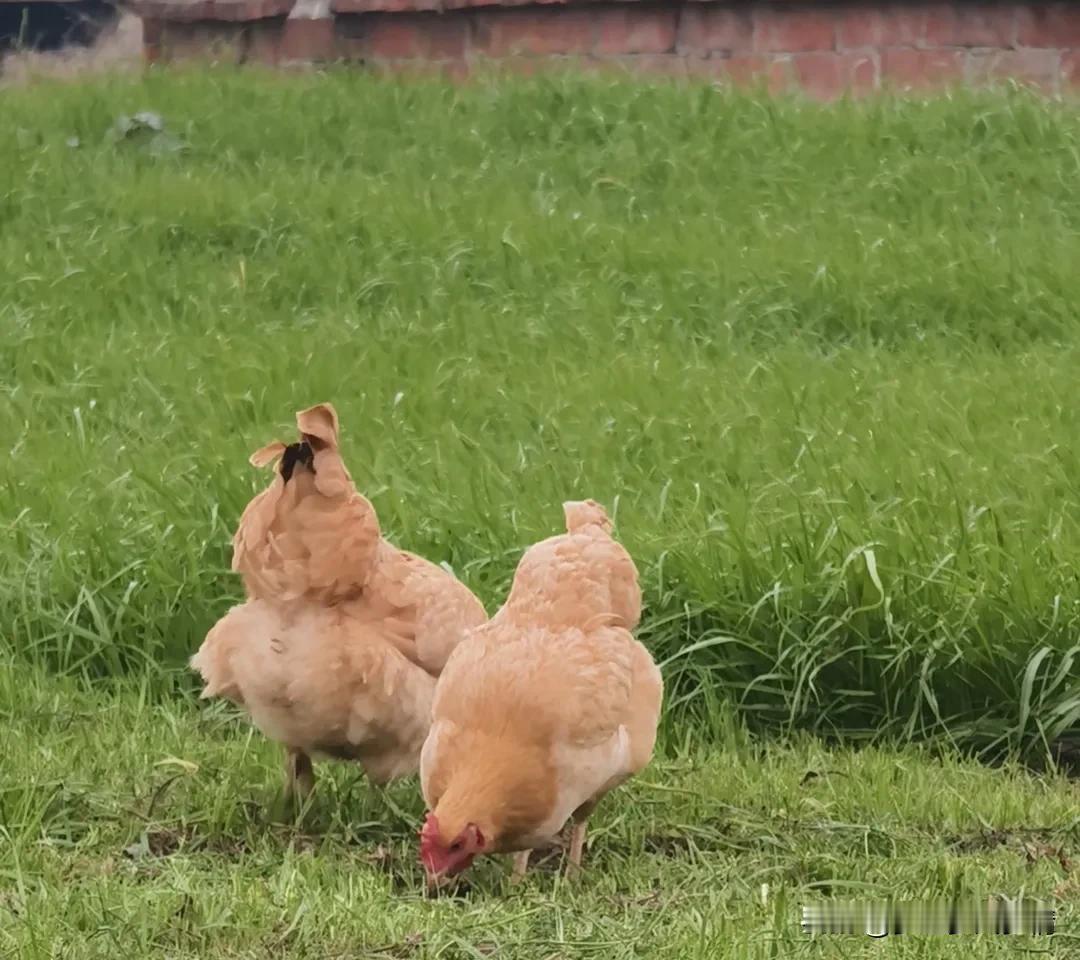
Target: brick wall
(820, 46)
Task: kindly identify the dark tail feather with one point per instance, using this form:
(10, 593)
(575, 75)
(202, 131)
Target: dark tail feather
(296, 453)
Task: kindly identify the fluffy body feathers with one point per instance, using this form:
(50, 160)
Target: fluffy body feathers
(336, 649)
(544, 709)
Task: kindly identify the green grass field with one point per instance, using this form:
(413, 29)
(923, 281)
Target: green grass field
(147, 830)
(821, 362)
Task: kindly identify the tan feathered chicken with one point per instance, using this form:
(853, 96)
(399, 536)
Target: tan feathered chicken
(336, 650)
(544, 709)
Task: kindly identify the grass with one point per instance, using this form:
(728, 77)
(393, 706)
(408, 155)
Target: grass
(819, 361)
(140, 828)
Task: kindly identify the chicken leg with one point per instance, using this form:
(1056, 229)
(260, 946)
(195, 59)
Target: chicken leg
(577, 835)
(299, 775)
(577, 846)
(521, 864)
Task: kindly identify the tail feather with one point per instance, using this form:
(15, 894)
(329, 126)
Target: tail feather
(309, 530)
(294, 454)
(583, 514)
(319, 425)
(267, 455)
(212, 661)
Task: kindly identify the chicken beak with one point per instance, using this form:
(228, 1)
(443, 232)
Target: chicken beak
(434, 882)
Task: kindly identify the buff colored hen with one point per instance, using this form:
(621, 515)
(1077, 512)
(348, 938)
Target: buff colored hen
(336, 650)
(544, 709)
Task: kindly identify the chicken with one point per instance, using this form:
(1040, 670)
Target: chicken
(542, 710)
(336, 650)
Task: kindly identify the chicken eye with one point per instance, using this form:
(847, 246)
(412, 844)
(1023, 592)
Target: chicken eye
(456, 846)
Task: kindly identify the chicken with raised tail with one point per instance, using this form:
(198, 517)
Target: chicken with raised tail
(544, 709)
(336, 649)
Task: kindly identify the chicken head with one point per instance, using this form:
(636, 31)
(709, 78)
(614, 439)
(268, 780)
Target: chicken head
(444, 859)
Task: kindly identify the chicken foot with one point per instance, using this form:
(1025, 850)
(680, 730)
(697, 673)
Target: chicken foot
(577, 849)
(299, 775)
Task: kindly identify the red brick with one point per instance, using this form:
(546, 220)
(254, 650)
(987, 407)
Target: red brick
(792, 29)
(540, 32)
(264, 42)
(1048, 25)
(187, 11)
(414, 36)
(865, 75)
(454, 70)
(641, 64)
(221, 42)
(885, 25)
(704, 29)
(464, 4)
(151, 31)
(413, 6)
(151, 40)
(635, 28)
(401, 5)
(1039, 68)
(827, 76)
(905, 68)
(1070, 68)
(655, 64)
(385, 6)
(746, 70)
(306, 40)
(468, 4)
(525, 66)
(969, 24)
